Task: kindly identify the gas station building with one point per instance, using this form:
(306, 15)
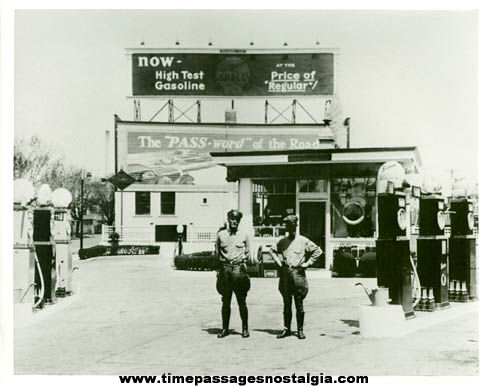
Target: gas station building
(189, 174)
(332, 190)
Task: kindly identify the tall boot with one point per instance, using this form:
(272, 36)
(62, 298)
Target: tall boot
(300, 320)
(225, 322)
(244, 315)
(287, 325)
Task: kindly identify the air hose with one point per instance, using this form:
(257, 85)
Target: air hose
(417, 287)
(41, 297)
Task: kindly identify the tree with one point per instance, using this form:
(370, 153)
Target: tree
(38, 162)
(103, 196)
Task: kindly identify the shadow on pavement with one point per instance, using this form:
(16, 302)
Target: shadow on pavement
(268, 331)
(351, 323)
(216, 331)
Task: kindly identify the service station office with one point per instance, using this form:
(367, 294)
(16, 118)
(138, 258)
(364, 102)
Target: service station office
(332, 191)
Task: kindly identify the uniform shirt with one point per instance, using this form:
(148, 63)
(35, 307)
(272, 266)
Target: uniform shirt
(232, 248)
(294, 251)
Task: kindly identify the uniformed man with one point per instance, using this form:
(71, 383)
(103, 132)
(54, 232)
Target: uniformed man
(294, 253)
(233, 251)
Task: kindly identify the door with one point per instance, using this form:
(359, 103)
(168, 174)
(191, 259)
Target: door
(312, 225)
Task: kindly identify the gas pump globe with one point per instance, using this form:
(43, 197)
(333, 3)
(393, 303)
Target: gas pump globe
(23, 194)
(390, 171)
(61, 198)
(24, 254)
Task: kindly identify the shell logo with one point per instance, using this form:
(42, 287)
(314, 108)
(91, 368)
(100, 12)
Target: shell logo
(390, 171)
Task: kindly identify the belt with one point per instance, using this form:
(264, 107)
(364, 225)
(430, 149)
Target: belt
(233, 264)
(289, 267)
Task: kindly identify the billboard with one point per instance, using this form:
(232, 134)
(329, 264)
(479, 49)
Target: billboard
(233, 74)
(178, 153)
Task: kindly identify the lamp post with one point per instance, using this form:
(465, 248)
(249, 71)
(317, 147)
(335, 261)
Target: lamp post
(180, 231)
(82, 208)
(346, 123)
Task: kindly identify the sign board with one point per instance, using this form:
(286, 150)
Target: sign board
(174, 153)
(121, 180)
(252, 74)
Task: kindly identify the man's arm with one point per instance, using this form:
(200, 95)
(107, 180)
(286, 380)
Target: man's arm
(273, 251)
(313, 251)
(217, 246)
(247, 249)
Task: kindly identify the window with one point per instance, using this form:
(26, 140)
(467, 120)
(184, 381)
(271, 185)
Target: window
(168, 203)
(272, 201)
(312, 186)
(142, 202)
(353, 207)
(165, 233)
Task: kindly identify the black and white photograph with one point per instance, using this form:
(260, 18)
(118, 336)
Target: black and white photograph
(240, 196)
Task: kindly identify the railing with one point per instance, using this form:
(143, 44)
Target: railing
(128, 234)
(197, 234)
(269, 231)
(360, 243)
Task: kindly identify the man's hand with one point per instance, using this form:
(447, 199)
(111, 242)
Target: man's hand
(305, 264)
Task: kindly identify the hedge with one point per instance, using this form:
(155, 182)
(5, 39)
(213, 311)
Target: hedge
(114, 250)
(199, 261)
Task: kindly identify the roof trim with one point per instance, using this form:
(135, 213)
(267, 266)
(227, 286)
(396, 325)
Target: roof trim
(311, 151)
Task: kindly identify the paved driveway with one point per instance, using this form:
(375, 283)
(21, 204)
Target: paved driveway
(135, 315)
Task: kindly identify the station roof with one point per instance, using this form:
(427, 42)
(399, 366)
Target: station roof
(322, 163)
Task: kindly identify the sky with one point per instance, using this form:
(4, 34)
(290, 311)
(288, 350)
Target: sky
(403, 77)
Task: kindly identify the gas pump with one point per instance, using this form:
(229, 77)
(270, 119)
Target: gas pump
(432, 250)
(24, 253)
(394, 269)
(44, 245)
(463, 254)
(61, 198)
(392, 250)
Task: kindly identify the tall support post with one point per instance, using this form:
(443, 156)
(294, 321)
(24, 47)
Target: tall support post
(266, 111)
(170, 109)
(294, 111)
(115, 140)
(137, 115)
(198, 113)
(107, 153)
(328, 235)
(245, 203)
(82, 209)
(121, 209)
(347, 125)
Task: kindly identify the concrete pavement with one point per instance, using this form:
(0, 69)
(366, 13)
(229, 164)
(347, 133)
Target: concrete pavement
(88, 241)
(135, 315)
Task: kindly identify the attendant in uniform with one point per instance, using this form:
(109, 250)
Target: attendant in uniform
(233, 251)
(294, 253)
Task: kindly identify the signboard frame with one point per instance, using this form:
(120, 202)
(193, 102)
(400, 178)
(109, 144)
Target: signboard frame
(285, 134)
(237, 51)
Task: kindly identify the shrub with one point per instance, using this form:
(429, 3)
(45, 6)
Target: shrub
(367, 265)
(114, 238)
(114, 250)
(199, 261)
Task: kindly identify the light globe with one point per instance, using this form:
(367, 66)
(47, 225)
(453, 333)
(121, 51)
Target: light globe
(44, 195)
(24, 191)
(61, 198)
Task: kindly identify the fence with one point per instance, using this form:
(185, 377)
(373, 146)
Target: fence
(140, 235)
(133, 235)
(198, 234)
